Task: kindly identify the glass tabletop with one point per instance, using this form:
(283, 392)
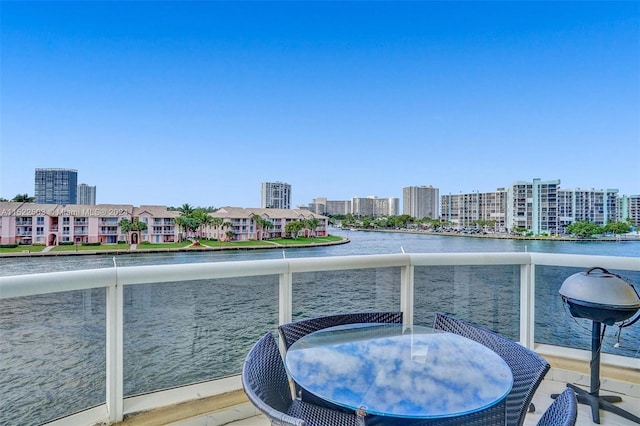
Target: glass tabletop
(391, 370)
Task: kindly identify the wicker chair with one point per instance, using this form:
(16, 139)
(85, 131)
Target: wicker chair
(293, 331)
(493, 416)
(265, 382)
(562, 412)
(528, 368)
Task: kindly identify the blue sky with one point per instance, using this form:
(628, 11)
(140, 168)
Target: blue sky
(199, 102)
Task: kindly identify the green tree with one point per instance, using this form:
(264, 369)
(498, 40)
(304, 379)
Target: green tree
(292, 228)
(215, 223)
(229, 230)
(262, 224)
(138, 225)
(583, 229)
(186, 209)
(266, 224)
(23, 198)
(202, 219)
(312, 224)
(617, 227)
(125, 226)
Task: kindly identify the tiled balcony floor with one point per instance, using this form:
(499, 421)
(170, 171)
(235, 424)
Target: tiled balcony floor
(541, 400)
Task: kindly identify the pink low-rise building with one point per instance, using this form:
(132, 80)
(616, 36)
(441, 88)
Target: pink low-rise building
(241, 222)
(53, 224)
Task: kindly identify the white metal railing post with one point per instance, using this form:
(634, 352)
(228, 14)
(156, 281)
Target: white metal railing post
(406, 293)
(114, 349)
(285, 300)
(527, 305)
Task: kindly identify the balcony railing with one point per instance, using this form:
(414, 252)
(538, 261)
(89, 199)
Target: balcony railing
(512, 293)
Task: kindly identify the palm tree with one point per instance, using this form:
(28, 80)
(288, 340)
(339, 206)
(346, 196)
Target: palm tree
(262, 224)
(125, 226)
(267, 224)
(186, 209)
(23, 198)
(215, 223)
(137, 225)
(313, 223)
(229, 226)
(257, 219)
(202, 218)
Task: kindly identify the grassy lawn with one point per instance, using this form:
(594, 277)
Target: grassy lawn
(250, 243)
(181, 245)
(101, 247)
(152, 246)
(21, 248)
(301, 240)
(272, 242)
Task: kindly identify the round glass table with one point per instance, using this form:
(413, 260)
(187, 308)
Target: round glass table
(392, 370)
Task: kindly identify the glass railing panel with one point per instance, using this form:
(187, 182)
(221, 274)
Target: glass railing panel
(488, 296)
(188, 332)
(52, 355)
(334, 292)
(555, 325)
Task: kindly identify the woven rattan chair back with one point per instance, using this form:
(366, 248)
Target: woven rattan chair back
(265, 379)
(528, 368)
(562, 412)
(266, 384)
(293, 331)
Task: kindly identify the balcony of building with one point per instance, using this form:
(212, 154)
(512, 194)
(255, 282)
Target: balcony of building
(182, 366)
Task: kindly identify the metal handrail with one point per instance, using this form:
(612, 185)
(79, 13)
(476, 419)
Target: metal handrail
(114, 279)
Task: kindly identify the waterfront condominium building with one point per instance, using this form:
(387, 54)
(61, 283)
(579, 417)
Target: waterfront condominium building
(485, 209)
(338, 207)
(538, 207)
(421, 201)
(86, 194)
(630, 209)
(318, 205)
(330, 207)
(275, 195)
(56, 186)
(588, 205)
(374, 206)
(533, 206)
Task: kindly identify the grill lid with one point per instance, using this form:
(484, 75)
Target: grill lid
(600, 288)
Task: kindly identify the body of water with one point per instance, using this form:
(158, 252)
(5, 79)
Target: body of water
(52, 353)
(362, 242)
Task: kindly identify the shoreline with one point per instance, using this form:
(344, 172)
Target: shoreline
(503, 236)
(199, 249)
(345, 240)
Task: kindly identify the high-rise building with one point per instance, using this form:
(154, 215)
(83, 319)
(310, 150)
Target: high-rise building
(374, 206)
(538, 207)
(56, 186)
(630, 209)
(421, 201)
(330, 207)
(275, 195)
(476, 209)
(86, 194)
(533, 206)
(338, 207)
(599, 206)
